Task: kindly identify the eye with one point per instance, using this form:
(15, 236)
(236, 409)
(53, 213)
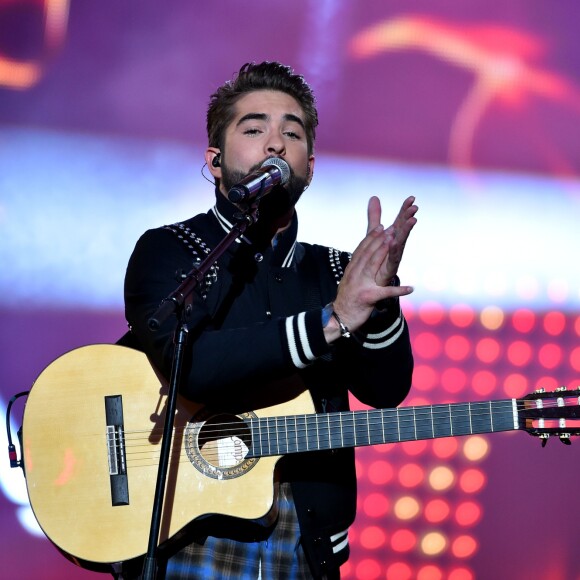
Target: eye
(252, 131)
(292, 135)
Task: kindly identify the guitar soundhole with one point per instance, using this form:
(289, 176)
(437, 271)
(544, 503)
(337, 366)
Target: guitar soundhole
(218, 445)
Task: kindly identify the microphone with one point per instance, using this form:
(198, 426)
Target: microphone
(273, 171)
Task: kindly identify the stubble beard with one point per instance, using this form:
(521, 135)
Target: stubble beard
(280, 201)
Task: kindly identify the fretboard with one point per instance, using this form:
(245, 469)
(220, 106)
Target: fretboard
(315, 432)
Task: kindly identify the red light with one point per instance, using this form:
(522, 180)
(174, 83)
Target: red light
(487, 350)
(519, 353)
(484, 382)
(430, 572)
(461, 574)
(453, 380)
(464, 547)
(372, 538)
(523, 320)
(472, 480)
(431, 313)
(380, 472)
(403, 540)
(457, 347)
(554, 323)
(375, 505)
(414, 448)
(515, 385)
(550, 356)
(411, 475)
(467, 513)
(461, 315)
(424, 378)
(368, 568)
(575, 359)
(436, 511)
(427, 345)
(445, 448)
(399, 571)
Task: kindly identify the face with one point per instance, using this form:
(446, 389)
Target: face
(266, 124)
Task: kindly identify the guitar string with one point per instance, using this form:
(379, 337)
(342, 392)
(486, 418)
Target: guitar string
(301, 430)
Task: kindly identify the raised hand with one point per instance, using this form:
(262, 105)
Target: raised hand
(374, 263)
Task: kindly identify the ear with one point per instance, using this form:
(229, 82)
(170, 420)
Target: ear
(210, 154)
(310, 175)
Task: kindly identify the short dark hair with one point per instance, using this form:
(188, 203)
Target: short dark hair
(267, 75)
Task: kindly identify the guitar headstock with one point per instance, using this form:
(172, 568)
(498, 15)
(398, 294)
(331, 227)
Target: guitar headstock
(546, 413)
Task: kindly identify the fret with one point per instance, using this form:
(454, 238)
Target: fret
(424, 425)
(292, 435)
(406, 424)
(442, 421)
(299, 433)
(323, 430)
(348, 430)
(460, 423)
(301, 439)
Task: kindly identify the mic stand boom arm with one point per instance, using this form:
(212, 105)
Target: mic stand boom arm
(174, 304)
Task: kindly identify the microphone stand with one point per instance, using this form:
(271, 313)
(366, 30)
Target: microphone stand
(174, 304)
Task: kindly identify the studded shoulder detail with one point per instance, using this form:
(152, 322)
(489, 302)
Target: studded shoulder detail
(336, 264)
(199, 249)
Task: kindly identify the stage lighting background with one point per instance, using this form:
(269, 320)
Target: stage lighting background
(469, 107)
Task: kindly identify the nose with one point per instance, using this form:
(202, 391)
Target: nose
(275, 144)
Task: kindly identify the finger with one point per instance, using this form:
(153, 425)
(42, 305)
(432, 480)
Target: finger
(373, 213)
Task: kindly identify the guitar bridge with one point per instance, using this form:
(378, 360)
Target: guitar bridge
(116, 452)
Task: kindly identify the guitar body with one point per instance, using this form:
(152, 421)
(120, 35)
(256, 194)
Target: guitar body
(68, 449)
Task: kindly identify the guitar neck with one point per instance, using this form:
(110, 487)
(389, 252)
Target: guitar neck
(315, 432)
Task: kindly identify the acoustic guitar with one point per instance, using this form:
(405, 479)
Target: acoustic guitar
(93, 424)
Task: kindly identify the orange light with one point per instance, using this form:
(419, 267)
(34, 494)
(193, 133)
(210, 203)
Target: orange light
(491, 317)
(406, 508)
(441, 478)
(475, 448)
(433, 543)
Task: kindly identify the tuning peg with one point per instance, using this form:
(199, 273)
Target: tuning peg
(544, 438)
(560, 389)
(540, 390)
(565, 438)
